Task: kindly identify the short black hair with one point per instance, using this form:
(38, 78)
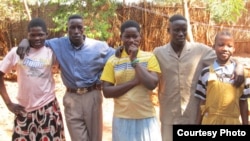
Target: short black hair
(177, 17)
(129, 23)
(35, 22)
(222, 33)
(75, 16)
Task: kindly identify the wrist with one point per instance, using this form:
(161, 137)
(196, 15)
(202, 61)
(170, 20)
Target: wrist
(8, 103)
(134, 62)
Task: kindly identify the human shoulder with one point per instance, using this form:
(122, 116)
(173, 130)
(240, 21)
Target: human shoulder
(57, 40)
(91, 40)
(160, 48)
(205, 70)
(96, 43)
(113, 59)
(47, 48)
(13, 50)
(198, 45)
(146, 53)
(11, 55)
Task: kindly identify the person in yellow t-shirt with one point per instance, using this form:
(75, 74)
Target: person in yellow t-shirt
(248, 72)
(220, 101)
(129, 80)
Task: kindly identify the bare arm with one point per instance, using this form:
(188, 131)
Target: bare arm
(244, 111)
(147, 78)
(4, 94)
(111, 91)
(199, 112)
(14, 108)
(143, 76)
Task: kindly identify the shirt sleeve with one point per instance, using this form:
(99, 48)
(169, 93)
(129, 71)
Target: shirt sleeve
(54, 42)
(108, 72)
(106, 51)
(247, 73)
(10, 60)
(153, 64)
(246, 90)
(201, 87)
(209, 55)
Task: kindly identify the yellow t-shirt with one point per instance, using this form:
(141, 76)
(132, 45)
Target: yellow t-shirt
(136, 103)
(247, 72)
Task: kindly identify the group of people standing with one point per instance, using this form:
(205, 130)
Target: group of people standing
(184, 73)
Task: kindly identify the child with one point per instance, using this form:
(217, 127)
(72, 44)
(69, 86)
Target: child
(129, 80)
(37, 113)
(220, 101)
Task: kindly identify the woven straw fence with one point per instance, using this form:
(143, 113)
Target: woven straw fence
(154, 23)
(153, 20)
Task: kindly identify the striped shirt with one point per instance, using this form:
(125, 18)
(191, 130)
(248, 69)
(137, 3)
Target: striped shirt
(224, 74)
(136, 103)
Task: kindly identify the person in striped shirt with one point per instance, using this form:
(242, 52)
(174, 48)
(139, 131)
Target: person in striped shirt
(220, 101)
(129, 80)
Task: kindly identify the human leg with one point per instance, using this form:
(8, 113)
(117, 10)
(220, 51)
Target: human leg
(167, 132)
(93, 116)
(83, 115)
(74, 117)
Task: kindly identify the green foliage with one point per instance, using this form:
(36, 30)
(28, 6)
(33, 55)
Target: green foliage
(11, 10)
(222, 11)
(96, 16)
(226, 10)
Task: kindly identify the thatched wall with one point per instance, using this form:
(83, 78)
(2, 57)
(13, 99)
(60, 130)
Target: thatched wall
(154, 21)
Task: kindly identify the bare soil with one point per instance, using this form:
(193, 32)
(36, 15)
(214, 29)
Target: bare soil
(6, 117)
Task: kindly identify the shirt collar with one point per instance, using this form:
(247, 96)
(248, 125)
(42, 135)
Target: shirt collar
(79, 47)
(227, 67)
(124, 53)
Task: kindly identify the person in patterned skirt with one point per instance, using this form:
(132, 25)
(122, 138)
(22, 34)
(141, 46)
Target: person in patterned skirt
(37, 114)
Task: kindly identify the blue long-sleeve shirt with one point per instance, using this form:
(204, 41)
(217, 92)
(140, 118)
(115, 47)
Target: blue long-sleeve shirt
(80, 67)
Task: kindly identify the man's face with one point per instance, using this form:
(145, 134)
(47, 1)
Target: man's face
(75, 31)
(36, 37)
(178, 32)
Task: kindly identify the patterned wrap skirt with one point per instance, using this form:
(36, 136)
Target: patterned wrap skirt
(44, 124)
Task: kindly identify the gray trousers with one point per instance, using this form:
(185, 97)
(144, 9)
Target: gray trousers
(83, 114)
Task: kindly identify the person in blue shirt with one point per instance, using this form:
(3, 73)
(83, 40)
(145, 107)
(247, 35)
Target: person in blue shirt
(81, 61)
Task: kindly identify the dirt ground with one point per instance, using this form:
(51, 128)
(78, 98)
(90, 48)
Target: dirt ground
(6, 117)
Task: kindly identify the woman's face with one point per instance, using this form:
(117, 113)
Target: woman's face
(130, 36)
(36, 37)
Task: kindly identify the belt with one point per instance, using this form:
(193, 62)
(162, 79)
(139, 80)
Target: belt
(84, 89)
